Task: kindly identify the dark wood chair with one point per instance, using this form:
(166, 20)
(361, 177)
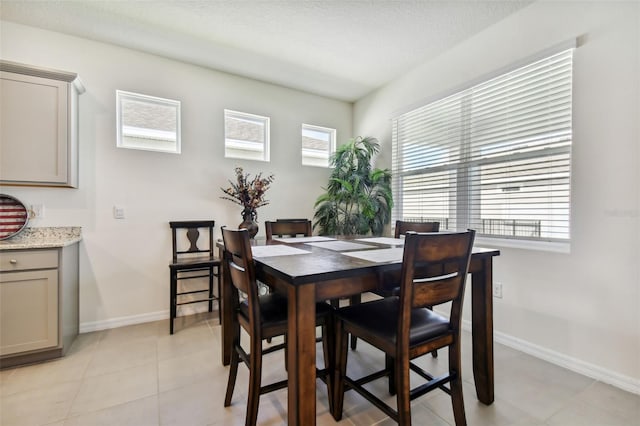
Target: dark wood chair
(403, 226)
(391, 282)
(390, 286)
(262, 317)
(434, 271)
(191, 263)
(288, 228)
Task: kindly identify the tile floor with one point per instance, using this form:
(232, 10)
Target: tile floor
(141, 376)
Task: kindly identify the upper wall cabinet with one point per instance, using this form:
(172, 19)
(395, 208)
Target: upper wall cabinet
(38, 126)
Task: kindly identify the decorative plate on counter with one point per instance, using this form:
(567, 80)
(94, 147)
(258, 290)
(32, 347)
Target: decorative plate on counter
(13, 216)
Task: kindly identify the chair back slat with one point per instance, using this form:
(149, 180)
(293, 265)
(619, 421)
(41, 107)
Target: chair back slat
(192, 236)
(192, 230)
(436, 291)
(402, 227)
(288, 228)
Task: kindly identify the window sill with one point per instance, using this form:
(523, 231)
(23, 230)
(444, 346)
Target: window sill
(548, 246)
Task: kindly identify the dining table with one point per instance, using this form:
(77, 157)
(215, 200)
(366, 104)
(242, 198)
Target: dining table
(318, 268)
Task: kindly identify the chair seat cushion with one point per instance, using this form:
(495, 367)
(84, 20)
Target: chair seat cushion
(273, 307)
(195, 262)
(380, 318)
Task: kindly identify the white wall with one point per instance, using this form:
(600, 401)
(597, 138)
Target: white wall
(123, 264)
(583, 308)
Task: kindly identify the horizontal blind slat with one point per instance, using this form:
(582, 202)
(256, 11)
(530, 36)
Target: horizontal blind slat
(504, 144)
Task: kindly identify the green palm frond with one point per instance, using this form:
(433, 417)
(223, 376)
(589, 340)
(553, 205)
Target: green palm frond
(358, 198)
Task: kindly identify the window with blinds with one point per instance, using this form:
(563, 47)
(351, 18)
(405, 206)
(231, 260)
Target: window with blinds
(246, 136)
(495, 157)
(147, 122)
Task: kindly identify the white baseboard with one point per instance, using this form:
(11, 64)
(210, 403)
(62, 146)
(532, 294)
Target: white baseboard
(87, 327)
(604, 375)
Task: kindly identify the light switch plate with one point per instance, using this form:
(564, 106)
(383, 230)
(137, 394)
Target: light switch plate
(118, 212)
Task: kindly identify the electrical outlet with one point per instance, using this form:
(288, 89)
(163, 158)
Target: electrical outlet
(36, 211)
(497, 290)
(118, 212)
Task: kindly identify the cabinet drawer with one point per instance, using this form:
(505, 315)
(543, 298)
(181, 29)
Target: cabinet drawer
(21, 260)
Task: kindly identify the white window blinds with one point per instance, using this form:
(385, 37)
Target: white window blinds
(494, 157)
(246, 136)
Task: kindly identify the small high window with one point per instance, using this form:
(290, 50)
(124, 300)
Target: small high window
(246, 136)
(147, 122)
(318, 143)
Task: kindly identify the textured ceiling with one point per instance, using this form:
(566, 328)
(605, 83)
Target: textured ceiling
(338, 48)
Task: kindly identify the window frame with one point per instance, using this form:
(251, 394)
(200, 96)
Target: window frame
(245, 145)
(332, 133)
(122, 130)
(466, 202)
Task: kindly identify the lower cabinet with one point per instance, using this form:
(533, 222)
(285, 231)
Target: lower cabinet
(38, 303)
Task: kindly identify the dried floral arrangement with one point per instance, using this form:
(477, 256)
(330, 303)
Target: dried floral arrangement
(248, 192)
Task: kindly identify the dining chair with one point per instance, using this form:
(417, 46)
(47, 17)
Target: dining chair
(403, 226)
(390, 283)
(288, 228)
(302, 227)
(262, 317)
(434, 271)
(189, 261)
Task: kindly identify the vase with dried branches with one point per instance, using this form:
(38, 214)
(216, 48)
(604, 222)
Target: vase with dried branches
(249, 193)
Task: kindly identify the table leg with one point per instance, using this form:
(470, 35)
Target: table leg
(301, 341)
(482, 328)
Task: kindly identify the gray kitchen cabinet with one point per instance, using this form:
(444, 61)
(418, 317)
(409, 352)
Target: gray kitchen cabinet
(38, 126)
(38, 303)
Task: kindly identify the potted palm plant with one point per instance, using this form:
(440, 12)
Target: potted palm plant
(358, 198)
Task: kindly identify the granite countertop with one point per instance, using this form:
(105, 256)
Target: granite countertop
(46, 237)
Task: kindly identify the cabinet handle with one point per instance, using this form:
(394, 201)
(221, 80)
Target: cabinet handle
(13, 262)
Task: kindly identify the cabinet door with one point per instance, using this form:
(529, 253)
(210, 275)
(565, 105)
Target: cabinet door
(28, 310)
(33, 129)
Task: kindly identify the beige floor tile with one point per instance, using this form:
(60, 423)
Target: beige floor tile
(420, 415)
(31, 377)
(359, 411)
(5, 374)
(85, 343)
(193, 315)
(537, 387)
(613, 400)
(193, 339)
(121, 355)
(123, 335)
(41, 406)
(579, 413)
(198, 404)
(500, 413)
(112, 389)
(141, 412)
(140, 375)
(190, 368)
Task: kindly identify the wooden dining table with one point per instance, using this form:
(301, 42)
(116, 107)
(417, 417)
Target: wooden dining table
(311, 269)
